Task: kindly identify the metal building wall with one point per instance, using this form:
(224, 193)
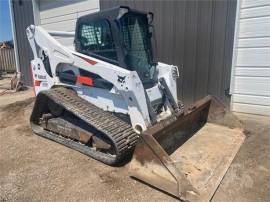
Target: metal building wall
(197, 36)
(23, 17)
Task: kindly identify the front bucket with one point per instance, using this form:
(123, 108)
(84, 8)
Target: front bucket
(189, 155)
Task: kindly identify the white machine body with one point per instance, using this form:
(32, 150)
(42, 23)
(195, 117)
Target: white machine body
(128, 95)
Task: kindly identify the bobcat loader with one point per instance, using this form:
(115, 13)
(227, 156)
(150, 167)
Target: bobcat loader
(109, 98)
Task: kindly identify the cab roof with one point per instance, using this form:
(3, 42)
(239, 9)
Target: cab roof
(110, 14)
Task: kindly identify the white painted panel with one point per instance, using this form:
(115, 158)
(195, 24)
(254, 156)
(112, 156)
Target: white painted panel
(50, 9)
(252, 85)
(253, 71)
(251, 109)
(61, 15)
(254, 27)
(251, 99)
(59, 18)
(253, 57)
(68, 16)
(254, 3)
(68, 41)
(255, 12)
(253, 42)
(68, 26)
(87, 12)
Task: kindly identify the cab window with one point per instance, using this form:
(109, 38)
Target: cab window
(96, 38)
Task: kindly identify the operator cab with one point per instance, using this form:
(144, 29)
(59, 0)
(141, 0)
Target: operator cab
(120, 36)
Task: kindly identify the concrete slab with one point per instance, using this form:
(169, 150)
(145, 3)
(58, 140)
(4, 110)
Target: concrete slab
(248, 178)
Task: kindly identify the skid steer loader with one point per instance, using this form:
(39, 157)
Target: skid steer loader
(109, 98)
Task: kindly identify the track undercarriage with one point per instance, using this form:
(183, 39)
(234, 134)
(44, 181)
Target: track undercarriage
(62, 116)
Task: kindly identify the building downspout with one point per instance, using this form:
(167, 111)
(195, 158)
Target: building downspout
(14, 37)
(234, 57)
(36, 13)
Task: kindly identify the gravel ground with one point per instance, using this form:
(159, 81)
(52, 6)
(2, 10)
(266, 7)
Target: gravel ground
(36, 169)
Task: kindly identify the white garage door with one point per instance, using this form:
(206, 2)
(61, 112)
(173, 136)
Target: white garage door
(61, 15)
(251, 71)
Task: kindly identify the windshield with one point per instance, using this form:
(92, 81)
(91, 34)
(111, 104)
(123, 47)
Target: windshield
(137, 42)
(96, 38)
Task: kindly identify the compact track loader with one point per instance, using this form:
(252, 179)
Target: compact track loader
(109, 98)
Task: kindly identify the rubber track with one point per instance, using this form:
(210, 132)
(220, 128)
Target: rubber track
(118, 131)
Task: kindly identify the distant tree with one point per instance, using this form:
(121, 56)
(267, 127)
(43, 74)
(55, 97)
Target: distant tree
(7, 44)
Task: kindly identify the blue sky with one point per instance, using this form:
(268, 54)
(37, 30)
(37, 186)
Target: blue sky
(5, 24)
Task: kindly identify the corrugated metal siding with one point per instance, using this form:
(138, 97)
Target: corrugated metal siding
(251, 75)
(62, 15)
(195, 35)
(23, 17)
(7, 60)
